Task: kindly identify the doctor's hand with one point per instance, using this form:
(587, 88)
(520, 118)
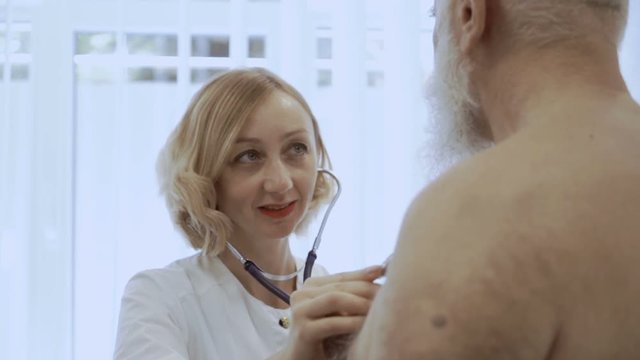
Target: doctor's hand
(328, 309)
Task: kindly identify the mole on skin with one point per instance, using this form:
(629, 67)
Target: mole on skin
(439, 321)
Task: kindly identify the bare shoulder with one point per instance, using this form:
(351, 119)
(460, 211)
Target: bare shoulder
(468, 281)
(490, 253)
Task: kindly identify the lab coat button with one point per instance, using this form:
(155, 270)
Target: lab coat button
(284, 322)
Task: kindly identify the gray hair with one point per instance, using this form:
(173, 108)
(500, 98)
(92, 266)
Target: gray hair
(543, 22)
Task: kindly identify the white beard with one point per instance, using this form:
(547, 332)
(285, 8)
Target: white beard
(455, 130)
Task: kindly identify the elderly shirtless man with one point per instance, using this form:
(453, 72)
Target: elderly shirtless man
(529, 248)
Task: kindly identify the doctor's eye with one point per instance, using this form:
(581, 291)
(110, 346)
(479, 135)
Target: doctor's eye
(299, 149)
(247, 157)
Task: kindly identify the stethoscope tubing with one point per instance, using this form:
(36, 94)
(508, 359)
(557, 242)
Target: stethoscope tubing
(258, 274)
(255, 271)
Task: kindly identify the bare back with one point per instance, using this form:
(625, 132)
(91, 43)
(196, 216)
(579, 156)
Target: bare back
(530, 250)
(580, 199)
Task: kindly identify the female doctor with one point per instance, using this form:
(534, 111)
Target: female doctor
(241, 169)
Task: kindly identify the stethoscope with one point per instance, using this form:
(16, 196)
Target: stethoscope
(264, 277)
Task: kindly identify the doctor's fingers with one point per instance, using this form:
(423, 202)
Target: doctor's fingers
(321, 329)
(365, 289)
(330, 305)
(367, 274)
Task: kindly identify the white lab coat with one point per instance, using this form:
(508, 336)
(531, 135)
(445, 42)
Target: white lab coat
(196, 309)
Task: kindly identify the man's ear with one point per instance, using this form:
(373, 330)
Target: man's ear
(472, 16)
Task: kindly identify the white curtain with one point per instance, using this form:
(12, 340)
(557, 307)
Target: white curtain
(89, 91)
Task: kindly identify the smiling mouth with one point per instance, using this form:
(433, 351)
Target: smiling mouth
(278, 211)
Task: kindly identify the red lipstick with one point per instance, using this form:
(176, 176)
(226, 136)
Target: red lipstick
(278, 212)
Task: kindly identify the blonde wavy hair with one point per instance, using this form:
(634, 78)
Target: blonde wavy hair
(197, 150)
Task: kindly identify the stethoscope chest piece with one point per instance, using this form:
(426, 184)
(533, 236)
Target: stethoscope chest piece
(284, 322)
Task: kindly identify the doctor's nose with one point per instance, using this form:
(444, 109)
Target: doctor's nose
(277, 178)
